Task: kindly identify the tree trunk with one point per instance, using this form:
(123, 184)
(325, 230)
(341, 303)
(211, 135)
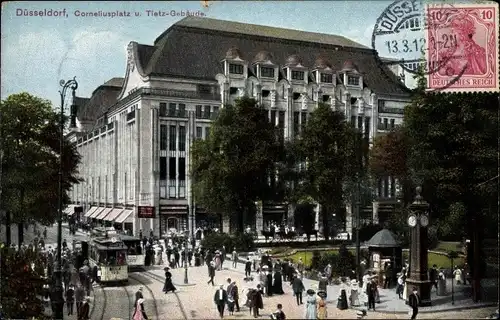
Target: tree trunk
(326, 222)
(20, 234)
(8, 233)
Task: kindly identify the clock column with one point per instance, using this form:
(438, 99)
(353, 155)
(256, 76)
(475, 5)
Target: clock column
(418, 221)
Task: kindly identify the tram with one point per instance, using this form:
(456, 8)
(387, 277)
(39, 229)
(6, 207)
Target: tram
(109, 254)
(135, 253)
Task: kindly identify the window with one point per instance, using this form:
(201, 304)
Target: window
(131, 115)
(235, 68)
(206, 112)
(163, 137)
(265, 93)
(296, 119)
(172, 138)
(273, 117)
(297, 75)
(172, 169)
(326, 78)
(360, 123)
(385, 124)
(182, 138)
(163, 168)
(171, 109)
(215, 111)
(207, 132)
(281, 119)
(303, 119)
(326, 98)
(182, 168)
(367, 126)
(233, 90)
(296, 96)
(163, 109)
(198, 111)
(392, 124)
(182, 110)
(352, 81)
(203, 88)
(199, 132)
(353, 121)
(267, 72)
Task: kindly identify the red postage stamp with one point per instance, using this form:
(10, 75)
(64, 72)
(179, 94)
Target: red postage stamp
(462, 51)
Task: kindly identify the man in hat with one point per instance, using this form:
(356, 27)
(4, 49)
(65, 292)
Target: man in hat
(298, 288)
(220, 300)
(248, 268)
(414, 302)
(85, 310)
(70, 298)
(211, 273)
(138, 294)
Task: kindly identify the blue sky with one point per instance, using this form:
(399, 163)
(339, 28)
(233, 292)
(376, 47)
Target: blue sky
(39, 51)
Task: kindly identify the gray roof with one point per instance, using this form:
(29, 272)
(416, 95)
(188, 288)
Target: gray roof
(194, 47)
(89, 109)
(383, 239)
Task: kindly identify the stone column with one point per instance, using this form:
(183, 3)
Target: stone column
(375, 205)
(259, 221)
(226, 224)
(316, 217)
(291, 214)
(191, 128)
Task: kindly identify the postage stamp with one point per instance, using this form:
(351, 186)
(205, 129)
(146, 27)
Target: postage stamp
(462, 41)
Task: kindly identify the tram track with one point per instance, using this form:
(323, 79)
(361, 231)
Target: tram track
(156, 277)
(102, 308)
(143, 284)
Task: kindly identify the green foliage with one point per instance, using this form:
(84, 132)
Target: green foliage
(230, 169)
(342, 263)
(329, 153)
(29, 139)
(304, 216)
(21, 285)
(243, 242)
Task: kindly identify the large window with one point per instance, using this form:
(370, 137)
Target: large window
(163, 168)
(206, 112)
(326, 78)
(163, 109)
(352, 81)
(182, 138)
(273, 117)
(267, 72)
(235, 68)
(171, 109)
(303, 119)
(198, 111)
(182, 168)
(215, 111)
(199, 132)
(207, 132)
(172, 138)
(297, 75)
(182, 110)
(296, 119)
(393, 123)
(163, 137)
(172, 169)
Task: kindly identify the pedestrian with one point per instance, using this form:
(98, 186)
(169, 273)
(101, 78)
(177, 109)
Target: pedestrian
(45, 233)
(400, 287)
(414, 302)
(234, 257)
(220, 300)
(311, 305)
(222, 256)
(387, 276)
(433, 276)
(85, 310)
(458, 275)
(323, 283)
(139, 294)
(79, 297)
(236, 296)
(151, 234)
(278, 314)
(269, 283)
(370, 292)
(230, 296)
(70, 298)
(298, 288)
(322, 309)
(278, 283)
(211, 273)
(140, 234)
(139, 313)
(256, 301)
(168, 286)
(248, 268)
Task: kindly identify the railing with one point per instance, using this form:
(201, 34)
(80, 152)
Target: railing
(384, 109)
(175, 114)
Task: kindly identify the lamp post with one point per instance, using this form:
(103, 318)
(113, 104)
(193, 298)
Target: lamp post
(186, 241)
(58, 289)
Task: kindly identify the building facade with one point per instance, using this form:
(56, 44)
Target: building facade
(134, 134)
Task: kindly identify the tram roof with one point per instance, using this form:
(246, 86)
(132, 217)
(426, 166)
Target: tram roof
(109, 247)
(125, 237)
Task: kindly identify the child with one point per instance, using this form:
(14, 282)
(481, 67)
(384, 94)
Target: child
(278, 314)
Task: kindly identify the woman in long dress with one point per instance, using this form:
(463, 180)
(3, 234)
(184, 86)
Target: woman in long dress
(311, 305)
(168, 286)
(139, 313)
(322, 310)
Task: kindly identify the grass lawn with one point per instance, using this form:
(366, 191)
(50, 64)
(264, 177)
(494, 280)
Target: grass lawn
(445, 246)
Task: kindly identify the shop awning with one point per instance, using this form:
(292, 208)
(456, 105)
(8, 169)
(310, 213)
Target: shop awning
(69, 210)
(113, 214)
(97, 212)
(90, 212)
(104, 213)
(124, 215)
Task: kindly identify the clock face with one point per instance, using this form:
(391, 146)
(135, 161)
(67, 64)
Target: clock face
(412, 220)
(424, 221)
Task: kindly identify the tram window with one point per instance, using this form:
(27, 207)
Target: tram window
(120, 255)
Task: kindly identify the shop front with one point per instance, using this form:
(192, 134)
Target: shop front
(173, 219)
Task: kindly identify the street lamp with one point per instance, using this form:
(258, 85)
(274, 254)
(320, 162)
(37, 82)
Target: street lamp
(186, 237)
(58, 290)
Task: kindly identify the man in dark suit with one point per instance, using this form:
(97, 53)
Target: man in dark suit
(371, 289)
(433, 276)
(414, 302)
(220, 299)
(85, 310)
(298, 288)
(248, 268)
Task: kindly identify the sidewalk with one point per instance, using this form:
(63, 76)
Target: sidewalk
(79, 232)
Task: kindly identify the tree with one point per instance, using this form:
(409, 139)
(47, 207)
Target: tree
(329, 147)
(30, 164)
(231, 168)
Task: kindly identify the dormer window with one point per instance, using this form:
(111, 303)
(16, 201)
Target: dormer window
(265, 93)
(297, 75)
(296, 96)
(235, 68)
(266, 72)
(326, 98)
(352, 80)
(326, 78)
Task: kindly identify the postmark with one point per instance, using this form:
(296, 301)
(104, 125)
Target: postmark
(465, 38)
(399, 38)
